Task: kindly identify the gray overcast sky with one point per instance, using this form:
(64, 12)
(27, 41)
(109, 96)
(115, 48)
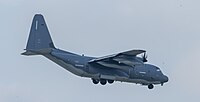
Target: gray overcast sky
(167, 29)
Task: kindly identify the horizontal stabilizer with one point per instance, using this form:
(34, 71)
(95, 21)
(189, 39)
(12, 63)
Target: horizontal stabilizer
(37, 52)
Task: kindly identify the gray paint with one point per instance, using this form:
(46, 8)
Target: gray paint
(98, 69)
(168, 30)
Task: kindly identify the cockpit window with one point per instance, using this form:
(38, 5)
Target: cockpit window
(158, 70)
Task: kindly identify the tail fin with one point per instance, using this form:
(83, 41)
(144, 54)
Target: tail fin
(39, 40)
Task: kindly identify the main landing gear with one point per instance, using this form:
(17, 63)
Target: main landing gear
(102, 81)
(95, 81)
(150, 86)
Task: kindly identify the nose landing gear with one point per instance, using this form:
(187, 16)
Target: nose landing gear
(150, 86)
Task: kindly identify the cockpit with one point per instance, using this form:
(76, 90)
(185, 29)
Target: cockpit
(158, 70)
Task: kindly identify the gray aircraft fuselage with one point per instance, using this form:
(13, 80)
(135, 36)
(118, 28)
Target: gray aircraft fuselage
(124, 67)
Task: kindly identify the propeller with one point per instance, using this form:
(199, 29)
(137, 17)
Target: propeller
(144, 57)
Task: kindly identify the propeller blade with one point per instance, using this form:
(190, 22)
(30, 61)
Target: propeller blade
(144, 57)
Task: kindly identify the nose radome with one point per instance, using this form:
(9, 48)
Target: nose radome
(166, 79)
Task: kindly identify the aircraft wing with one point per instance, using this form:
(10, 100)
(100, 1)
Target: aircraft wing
(132, 52)
(127, 58)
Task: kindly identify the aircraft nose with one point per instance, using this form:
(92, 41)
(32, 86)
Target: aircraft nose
(165, 78)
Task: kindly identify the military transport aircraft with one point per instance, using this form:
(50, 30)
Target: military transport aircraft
(124, 67)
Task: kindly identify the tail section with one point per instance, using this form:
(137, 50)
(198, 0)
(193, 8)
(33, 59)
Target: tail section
(39, 41)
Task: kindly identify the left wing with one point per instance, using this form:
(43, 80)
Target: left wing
(131, 53)
(128, 58)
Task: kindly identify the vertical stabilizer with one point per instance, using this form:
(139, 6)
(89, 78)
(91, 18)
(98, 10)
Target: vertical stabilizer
(39, 37)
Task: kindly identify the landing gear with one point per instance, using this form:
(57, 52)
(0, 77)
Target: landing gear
(110, 81)
(95, 81)
(150, 86)
(103, 81)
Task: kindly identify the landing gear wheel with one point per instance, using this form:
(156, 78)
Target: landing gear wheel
(150, 86)
(110, 81)
(103, 81)
(95, 81)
